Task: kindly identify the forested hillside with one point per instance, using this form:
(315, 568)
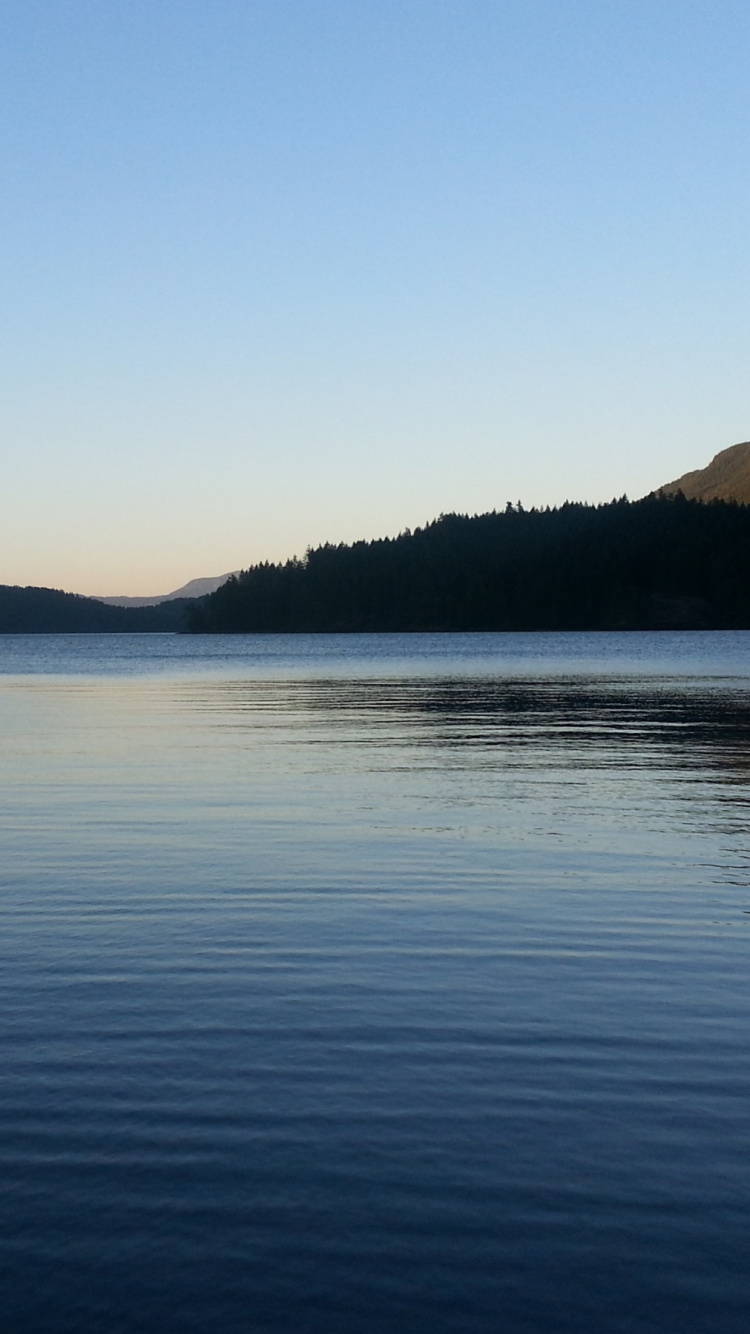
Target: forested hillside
(663, 562)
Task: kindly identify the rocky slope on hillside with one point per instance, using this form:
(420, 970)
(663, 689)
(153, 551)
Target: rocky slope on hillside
(727, 477)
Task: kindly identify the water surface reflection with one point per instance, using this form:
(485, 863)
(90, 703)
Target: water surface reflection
(379, 1003)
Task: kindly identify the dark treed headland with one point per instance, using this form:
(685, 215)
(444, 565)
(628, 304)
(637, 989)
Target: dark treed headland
(664, 562)
(50, 611)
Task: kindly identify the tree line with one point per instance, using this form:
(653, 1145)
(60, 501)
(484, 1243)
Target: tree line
(659, 563)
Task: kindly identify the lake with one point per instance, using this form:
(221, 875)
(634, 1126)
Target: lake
(391, 983)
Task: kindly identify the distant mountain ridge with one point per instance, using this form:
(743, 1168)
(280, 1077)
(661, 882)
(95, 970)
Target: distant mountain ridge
(195, 588)
(727, 477)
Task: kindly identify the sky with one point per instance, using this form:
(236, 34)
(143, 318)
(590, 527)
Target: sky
(281, 272)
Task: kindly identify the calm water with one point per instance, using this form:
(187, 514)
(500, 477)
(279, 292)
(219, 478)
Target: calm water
(390, 983)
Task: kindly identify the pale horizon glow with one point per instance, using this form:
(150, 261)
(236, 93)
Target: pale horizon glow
(276, 274)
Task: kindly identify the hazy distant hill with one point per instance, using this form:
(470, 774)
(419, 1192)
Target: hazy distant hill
(727, 477)
(196, 588)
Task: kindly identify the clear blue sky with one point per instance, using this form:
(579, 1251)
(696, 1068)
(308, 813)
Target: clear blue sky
(276, 272)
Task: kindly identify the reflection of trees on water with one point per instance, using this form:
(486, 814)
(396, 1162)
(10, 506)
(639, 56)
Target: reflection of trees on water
(600, 722)
(623, 766)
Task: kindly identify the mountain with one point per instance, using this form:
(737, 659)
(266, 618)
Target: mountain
(727, 477)
(654, 564)
(196, 588)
